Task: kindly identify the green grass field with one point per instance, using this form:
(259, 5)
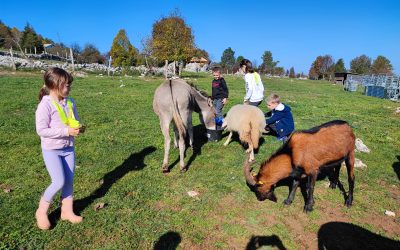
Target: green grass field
(119, 163)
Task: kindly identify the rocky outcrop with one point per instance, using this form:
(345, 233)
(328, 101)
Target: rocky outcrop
(38, 62)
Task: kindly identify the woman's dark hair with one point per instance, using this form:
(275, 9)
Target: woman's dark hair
(249, 65)
(54, 78)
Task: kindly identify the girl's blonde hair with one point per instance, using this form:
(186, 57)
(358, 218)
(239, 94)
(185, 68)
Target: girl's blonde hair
(54, 78)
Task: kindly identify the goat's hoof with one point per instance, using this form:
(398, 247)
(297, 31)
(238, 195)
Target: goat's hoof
(348, 202)
(287, 202)
(332, 185)
(183, 170)
(308, 208)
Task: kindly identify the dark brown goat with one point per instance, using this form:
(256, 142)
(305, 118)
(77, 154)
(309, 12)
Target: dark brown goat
(304, 154)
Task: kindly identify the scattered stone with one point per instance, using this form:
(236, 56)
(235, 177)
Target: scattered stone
(122, 85)
(99, 206)
(192, 193)
(397, 111)
(390, 213)
(361, 147)
(357, 164)
(79, 74)
(7, 190)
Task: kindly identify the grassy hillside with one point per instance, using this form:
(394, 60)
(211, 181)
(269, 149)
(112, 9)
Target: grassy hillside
(119, 163)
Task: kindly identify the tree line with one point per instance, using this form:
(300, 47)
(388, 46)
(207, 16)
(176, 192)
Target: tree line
(324, 67)
(172, 39)
(268, 66)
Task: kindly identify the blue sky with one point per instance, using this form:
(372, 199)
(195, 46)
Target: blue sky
(296, 32)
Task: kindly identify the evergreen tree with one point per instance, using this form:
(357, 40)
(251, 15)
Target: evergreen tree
(292, 74)
(30, 40)
(239, 59)
(122, 52)
(381, 65)
(228, 58)
(268, 64)
(339, 66)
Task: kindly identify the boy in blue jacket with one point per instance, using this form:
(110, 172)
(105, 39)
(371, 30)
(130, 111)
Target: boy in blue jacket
(280, 121)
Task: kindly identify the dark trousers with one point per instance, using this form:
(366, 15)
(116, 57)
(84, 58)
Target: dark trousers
(218, 105)
(271, 128)
(255, 103)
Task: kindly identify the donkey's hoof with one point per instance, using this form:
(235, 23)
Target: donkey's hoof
(165, 169)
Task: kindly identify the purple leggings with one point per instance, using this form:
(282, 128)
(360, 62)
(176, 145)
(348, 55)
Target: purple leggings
(60, 163)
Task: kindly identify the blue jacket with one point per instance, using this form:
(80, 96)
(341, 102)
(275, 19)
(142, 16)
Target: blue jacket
(283, 119)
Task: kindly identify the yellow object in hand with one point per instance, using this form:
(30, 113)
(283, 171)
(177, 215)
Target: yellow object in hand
(73, 123)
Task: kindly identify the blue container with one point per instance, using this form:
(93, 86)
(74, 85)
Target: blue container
(376, 91)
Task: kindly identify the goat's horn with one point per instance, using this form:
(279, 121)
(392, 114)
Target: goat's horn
(247, 172)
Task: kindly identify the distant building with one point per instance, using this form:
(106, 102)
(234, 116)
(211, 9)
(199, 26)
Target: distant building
(340, 77)
(200, 60)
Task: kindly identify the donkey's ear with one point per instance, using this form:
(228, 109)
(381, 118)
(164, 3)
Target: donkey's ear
(209, 102)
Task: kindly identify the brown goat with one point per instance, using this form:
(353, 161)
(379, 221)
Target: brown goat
(304, 154)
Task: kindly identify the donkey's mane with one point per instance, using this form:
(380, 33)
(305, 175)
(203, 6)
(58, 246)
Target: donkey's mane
(202, 92)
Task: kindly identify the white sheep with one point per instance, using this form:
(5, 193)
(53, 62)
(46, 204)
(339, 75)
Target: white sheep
(249, 122)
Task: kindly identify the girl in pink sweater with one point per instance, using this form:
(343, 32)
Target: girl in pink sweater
(57, 123)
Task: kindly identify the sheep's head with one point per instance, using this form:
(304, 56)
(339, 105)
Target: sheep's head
(262, 190)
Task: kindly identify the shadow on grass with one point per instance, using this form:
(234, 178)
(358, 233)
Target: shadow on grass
(132, 163)
(168, 241)
(257, 242)
(341, 235)
(396, 167)
(235, 138)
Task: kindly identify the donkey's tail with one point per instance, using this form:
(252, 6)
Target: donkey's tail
(175, 114)
(178, 121)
